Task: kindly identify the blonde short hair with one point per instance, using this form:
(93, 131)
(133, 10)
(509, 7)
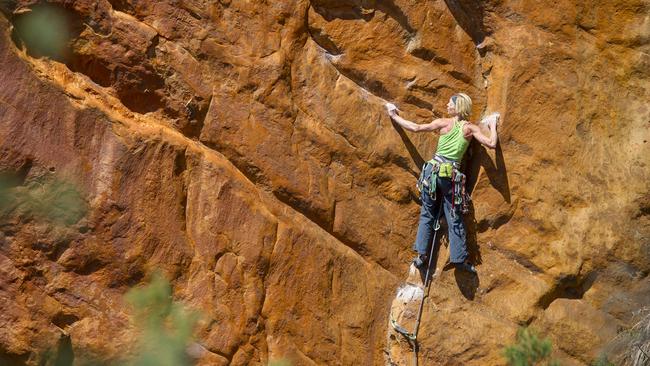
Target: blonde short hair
(463, 105)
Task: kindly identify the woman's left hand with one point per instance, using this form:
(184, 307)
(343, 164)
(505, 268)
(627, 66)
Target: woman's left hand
(392, 109)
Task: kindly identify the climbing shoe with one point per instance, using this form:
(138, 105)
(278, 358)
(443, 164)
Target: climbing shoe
(420, 261)
(466, 266)
(448, 266)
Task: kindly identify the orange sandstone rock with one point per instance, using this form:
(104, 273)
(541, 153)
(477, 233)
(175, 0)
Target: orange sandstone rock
(243, 148)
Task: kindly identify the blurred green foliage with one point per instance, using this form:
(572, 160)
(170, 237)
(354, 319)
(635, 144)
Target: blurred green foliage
(166, 326)
(529, 350)
(5, 185)
(602, 361)
(44, 30)
(164, 329)
(53, 200)
(62, 355)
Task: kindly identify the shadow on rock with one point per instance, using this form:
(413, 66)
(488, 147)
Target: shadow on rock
(362, 9)
(418, 160)
(467, 283)
(478, 157)
(471, 229)
(469, 15)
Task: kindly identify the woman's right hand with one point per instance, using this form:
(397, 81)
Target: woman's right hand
(493, 122)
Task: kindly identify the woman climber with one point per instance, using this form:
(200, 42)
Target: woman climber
(441, 177)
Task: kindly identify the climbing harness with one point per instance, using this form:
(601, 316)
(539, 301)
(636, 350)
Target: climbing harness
(444, 168)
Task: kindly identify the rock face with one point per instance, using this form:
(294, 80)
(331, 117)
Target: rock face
(243, 148)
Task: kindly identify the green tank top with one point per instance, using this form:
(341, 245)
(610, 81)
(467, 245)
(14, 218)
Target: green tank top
(453, 144)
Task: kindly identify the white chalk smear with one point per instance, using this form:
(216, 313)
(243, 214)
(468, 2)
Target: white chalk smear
(492, 117)
(408, 293)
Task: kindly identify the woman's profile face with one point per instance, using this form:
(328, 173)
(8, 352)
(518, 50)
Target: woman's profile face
(451, 107)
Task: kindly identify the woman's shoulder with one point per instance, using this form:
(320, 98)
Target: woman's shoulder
(443, 122)
(444, 119)
(466, 124)
(467, 128)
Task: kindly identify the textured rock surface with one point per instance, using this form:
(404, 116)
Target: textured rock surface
(243, 148)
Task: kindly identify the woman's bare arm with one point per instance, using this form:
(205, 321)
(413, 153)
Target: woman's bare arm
(487, 141)
(434, 125)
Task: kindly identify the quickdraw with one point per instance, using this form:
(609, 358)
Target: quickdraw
(459, 198)
(427, 180)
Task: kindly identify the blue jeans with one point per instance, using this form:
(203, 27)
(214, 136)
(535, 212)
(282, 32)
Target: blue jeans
(428, 212)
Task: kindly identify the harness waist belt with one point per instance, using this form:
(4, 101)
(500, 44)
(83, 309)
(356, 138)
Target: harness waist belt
(442, 159)
(441, 167)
